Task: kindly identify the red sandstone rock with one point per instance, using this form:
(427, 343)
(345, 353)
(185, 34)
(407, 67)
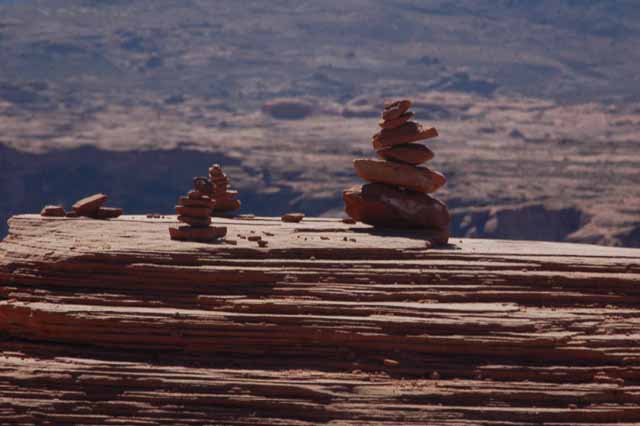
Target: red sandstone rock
(53, 211)
(195, 221)
(196, 195)
(153, 331)
(411, 153)
(419, 179)
(384, 205)
(408, 132)
(198, 212)
(203, 202)
(89, 206)
(225, 199)
(189, 233)
(107, 213)
(396, 122)
(395, 109)
(292, 217)
(225, 205)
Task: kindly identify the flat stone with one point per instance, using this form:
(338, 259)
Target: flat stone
(411, 153)
(221, 179)
(204, 202)
(108, 213)
(396, 122)
(215, 170)
(89, 205)
(200, 212)
(419, 179)
(292, 217)
(197, 195)
(195, 221)
(386, 206)
(53, 211)
(206, 234)
(226, 205)
(395, 109)
(202, 185)
(408, 132)
(222, 193)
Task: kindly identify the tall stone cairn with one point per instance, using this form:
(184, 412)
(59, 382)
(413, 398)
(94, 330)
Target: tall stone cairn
(195, 211)
(398, 193)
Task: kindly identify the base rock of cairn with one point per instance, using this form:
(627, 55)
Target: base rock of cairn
(397, 195)
(195, 210)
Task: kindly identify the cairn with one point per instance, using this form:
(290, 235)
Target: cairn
(225, 199)
(397, 195)
(195, 211)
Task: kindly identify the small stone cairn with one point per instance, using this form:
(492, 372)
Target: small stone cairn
(195, 210)
(397, 195)
(226, 200)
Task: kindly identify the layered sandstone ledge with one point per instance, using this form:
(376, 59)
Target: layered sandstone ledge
(111, 322)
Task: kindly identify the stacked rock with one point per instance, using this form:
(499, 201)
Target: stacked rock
(225, 199)
(397, 196)
(195, 210)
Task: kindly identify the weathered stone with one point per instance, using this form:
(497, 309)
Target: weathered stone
(102, 322)
(206, 234)
(395, 109)
(197, 195)
(107, 213)
(387, 206)
(204, 202)
(411, 153)
(89, 206)
(202, 185)
(396, 122)
(419, 179)
(292, 217)
(224, 205)
(52, 211)
(225, 199)
(201, 212)
(195, 221)
(408, 132)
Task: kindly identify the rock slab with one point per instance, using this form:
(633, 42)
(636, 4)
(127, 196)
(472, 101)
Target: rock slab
(420, 179)
(110, 322)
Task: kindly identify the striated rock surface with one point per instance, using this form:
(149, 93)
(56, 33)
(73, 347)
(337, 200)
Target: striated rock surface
(110, 322)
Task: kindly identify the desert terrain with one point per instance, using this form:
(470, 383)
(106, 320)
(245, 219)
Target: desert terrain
(536, 104)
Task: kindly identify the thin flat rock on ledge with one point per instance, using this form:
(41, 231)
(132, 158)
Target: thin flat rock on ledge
(106, 322)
